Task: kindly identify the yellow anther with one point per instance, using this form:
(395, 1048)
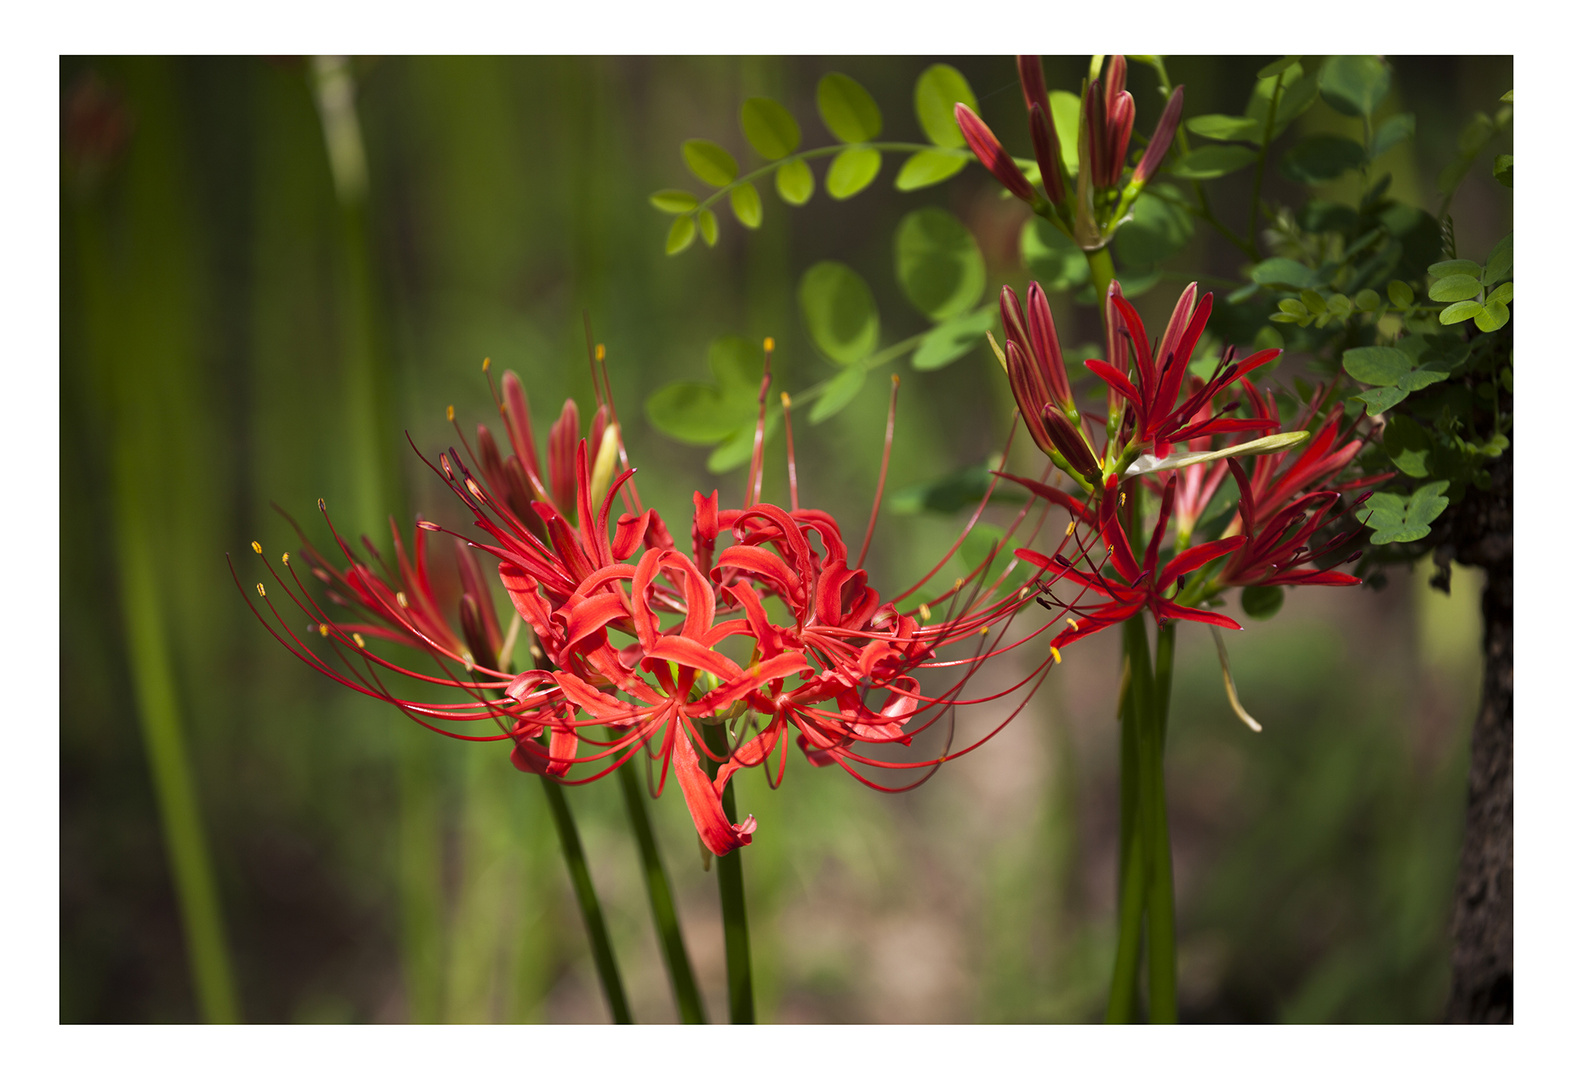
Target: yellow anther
(256, 547)
(959, 583)
(404, 601)
(284, 558)
(786, 400)
(984, 632)
(1122, 498)
(895, 380)
(360, 642)
(322, 628)
(923, 610)
(600, 352)
(1070, 527)
(1054, 653)
(486, 365)
(450, 414)
(1025, 592)
(1073, 624)
(322, 504)
(260, 590)
(770, 344)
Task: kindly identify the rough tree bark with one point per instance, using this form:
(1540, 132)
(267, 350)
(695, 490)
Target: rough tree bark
(1480, 534)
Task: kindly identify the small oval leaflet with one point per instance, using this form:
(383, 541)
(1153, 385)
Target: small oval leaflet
(795, 182)
(709, 162)
(674, 201)
(770, 128)
(851, 171)
(708, 227)
(928, 167)
(847, 109)
(746, 206)
(839, 311)
(938, 263)
(1454, 287)
(680, 235)
(935, 96)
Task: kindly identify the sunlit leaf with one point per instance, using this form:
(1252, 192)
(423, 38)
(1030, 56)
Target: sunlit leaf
(795, 182)
(938, 263)
(1272, 71)
(1493, 318)
(927, 167)
(674, 201)
(847, 109)
(746, 205)
(1066, 108)
(839, 311)
(1500, 264)
(708, 228)
(1457, 313)
(770, 128)
(709, 162)
(938, 90)
(851, 171)
(1376, 365)
(1226, 128)
(680, 235)
(1454, 287)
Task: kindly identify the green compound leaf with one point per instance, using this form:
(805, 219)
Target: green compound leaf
(1226, 128)
(705, 413)
(1283, 273)
(1457, 313)
(1381, 399)
(1454, 266)
(1355, 85)
(1212, 161)
(928, 167)
(851, 171)
(674, 201)
(1500, 265)
(1377, 365)
(708, 227)
(938, 263)
(1407, 443)
(1502, 294)
(680, 235)
(709, 162)
(847, 109)
(746, 206)
(795, 183)
(838, 394)
(1502, 169)
(1400, 293)
(1321, 158)
(1394, 130)
(1261, 601)
(839, 311)
(1493, 318)
(1052, 258)
(1455, 287)
(934, 99)
(1396, 520)
(770, 128)
(950, 341)
(1156, 230)
(1298, 93)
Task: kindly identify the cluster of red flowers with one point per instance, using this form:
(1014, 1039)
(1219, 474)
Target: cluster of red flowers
(714, 654)
(1161, 419)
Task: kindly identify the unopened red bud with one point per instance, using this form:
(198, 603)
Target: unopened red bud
(1046, 344)
(992, 155)
(1068, 441)
(1168, 124)
(1046, 147)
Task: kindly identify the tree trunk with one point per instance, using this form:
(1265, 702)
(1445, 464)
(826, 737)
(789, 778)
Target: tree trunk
(1481, 534)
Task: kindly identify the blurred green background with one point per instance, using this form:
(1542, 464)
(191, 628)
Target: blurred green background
(237, 329)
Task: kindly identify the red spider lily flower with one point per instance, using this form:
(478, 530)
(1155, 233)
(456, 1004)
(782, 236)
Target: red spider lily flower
(1161, 419)
(1276, 551)
(1138, 586)
(992, 156)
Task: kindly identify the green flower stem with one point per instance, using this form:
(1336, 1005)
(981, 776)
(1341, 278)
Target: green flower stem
(734, 911)
(589, 906)
(1101, 264)
(1163, 673)
(1162, 972)
(1132, 868)
(690, 1005)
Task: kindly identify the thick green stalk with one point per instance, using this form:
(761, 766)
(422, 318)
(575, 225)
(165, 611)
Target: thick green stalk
(589, 906)
(1101, 263)
(690, 1005)
(734, 910)
(1132, 867)
(1162, 997)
